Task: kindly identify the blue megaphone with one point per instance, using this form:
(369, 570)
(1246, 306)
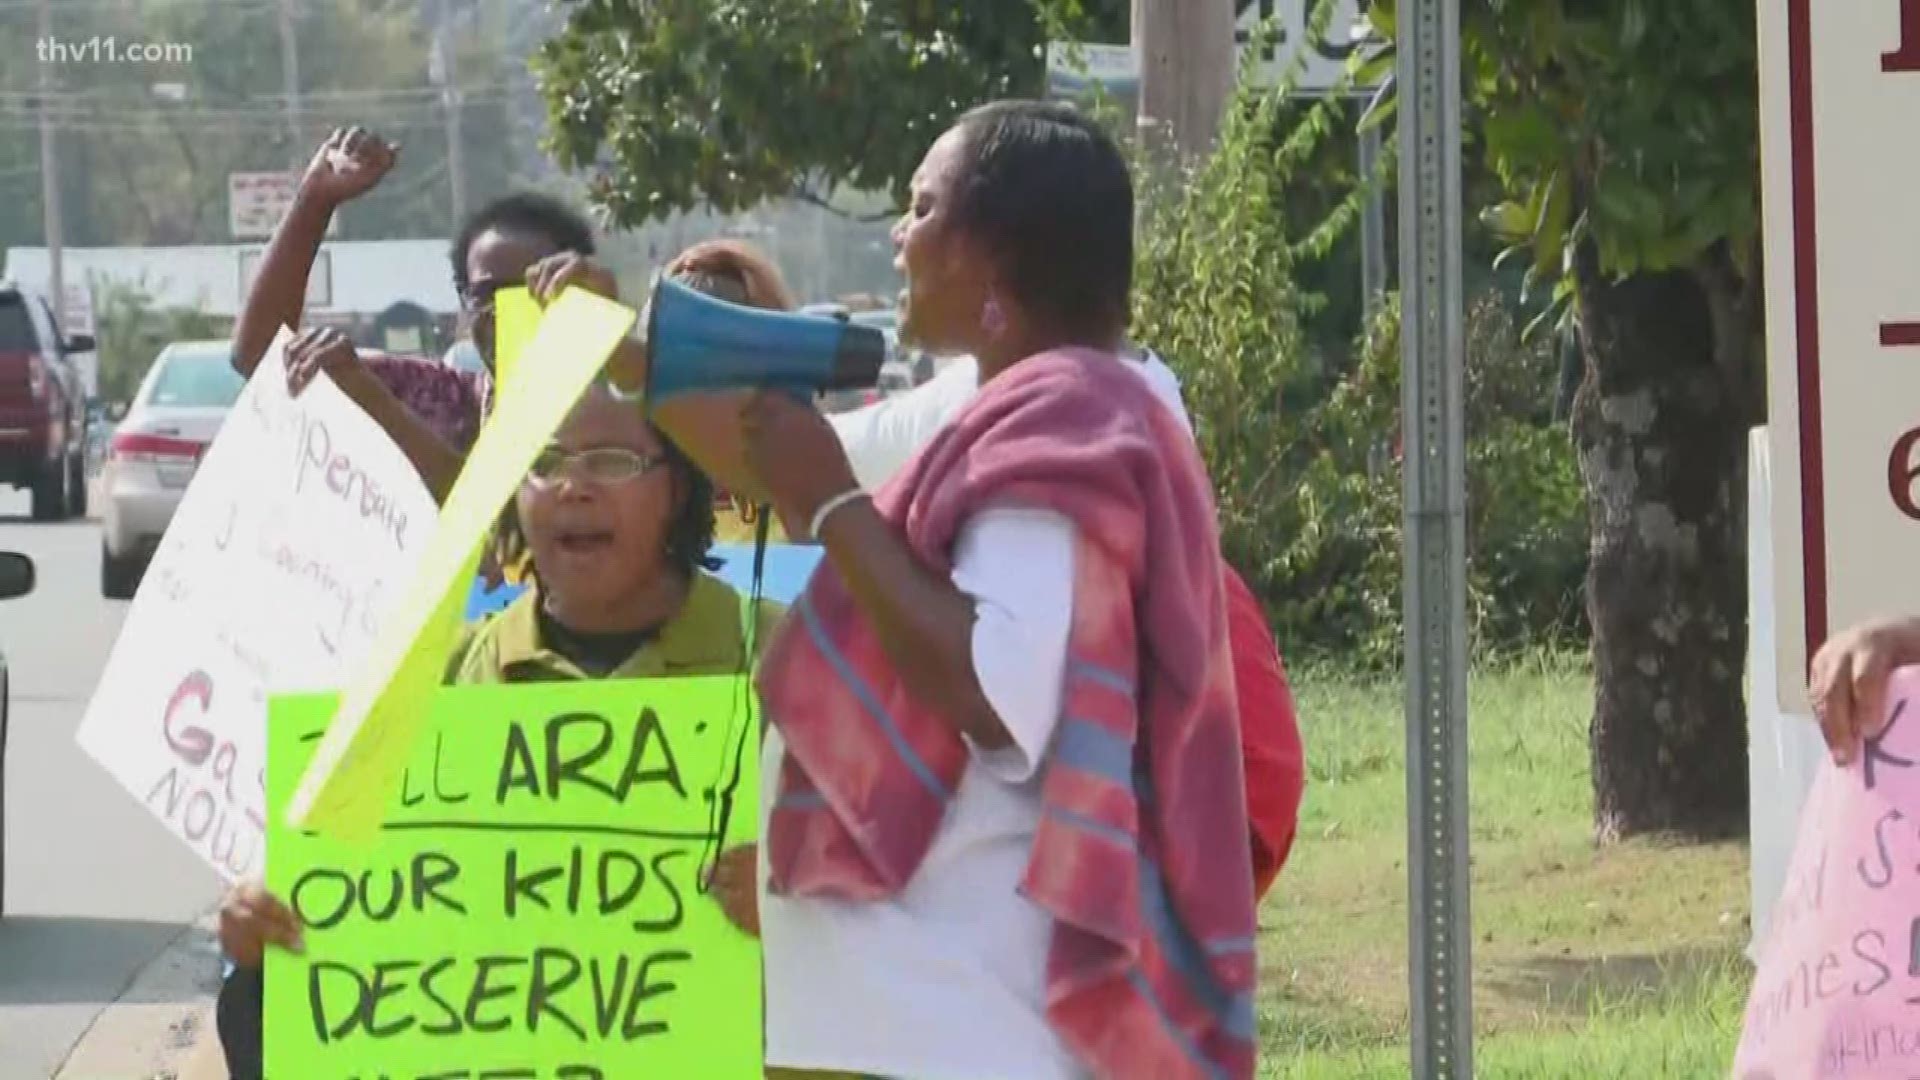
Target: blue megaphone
(696, 343)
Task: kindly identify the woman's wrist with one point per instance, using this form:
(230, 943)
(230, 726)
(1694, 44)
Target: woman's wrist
(829, 508)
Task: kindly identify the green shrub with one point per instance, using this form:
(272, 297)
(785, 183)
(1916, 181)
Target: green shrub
(1305, 463)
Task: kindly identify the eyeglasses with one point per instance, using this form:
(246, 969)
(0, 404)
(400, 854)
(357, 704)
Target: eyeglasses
(477, 297)
(600, 465)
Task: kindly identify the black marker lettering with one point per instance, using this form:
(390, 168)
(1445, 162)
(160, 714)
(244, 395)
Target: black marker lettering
(546, 985)
(606, 996)
(644, 991)
(563, 769)
(431, 871)
(309, 909)
(647, 729)
(526, 886)
(317, 1001)
(517, 770)
(451, 1025)
(613, 901)
(482, 993)
(382, 989)
(672, 920)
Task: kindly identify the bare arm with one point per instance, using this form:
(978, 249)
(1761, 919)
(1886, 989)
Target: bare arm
(279, 289)
(348, 164)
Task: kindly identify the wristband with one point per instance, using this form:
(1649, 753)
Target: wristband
(827, 509)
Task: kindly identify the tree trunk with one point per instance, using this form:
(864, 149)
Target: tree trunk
(1661, 435)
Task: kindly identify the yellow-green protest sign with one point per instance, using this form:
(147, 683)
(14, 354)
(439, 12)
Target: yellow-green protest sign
(351, 778)
(516, 315)
(533, 905)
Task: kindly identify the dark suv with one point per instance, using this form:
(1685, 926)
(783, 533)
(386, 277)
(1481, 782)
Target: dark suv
(43, 408)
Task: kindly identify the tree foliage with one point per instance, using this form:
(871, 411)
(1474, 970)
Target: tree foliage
(1628, 124)
(672, 104)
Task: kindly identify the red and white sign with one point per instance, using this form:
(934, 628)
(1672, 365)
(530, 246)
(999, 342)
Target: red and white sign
(1840, 83)
(256, 201)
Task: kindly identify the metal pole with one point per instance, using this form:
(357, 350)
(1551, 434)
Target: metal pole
(446, 72)
(1440, 931)
(290, 67)
(1373, 223)
(50, 179)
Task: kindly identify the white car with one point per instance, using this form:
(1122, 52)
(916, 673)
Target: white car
(153, 454)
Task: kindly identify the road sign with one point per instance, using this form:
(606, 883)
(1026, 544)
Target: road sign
(1321, 59)
(256, 201)
(1843, 317)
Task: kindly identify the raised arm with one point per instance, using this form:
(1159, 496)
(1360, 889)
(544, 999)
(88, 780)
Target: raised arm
(349, 163)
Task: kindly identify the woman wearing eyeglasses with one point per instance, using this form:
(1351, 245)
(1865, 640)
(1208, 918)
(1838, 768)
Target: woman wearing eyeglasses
(618, 523)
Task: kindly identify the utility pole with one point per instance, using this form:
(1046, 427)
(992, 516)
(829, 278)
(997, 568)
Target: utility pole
(444, 69)
(50, 180)
(290, 66)
(1187, 69)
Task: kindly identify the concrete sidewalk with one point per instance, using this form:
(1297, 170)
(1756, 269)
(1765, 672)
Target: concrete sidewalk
(161, 1028)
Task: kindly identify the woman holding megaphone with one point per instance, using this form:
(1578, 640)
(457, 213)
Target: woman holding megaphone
(1006, 823)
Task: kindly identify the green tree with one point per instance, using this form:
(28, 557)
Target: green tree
(675, 104)
(1624, 135)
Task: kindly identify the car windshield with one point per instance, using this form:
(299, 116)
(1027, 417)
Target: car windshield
(16, 330)
(196, 381)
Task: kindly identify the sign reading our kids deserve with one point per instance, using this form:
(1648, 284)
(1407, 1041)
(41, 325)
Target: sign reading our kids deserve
(533, 906)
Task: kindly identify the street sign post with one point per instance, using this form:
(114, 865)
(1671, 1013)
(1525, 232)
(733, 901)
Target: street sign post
(1433, 416)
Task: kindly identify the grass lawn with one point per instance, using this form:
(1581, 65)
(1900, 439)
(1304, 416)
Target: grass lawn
(1625, 961)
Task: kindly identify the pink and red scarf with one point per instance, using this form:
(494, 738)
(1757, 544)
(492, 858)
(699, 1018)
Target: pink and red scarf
(1140, 856)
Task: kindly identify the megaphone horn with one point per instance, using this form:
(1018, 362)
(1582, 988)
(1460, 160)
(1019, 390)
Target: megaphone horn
(698, 343)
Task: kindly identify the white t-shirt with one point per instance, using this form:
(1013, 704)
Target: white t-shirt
(883, 437)
(947, 980)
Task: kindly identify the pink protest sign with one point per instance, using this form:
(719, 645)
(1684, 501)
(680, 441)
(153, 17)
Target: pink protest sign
(1837, 993)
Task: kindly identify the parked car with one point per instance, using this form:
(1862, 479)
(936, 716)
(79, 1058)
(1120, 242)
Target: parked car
(153, 454)
(16, 580)
(43, 422)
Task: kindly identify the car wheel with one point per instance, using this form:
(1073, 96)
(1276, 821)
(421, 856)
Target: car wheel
(77, 485)
(49, 493)
(119, 575)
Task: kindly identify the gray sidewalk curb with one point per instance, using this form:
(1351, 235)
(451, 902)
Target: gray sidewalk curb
(161, 1025)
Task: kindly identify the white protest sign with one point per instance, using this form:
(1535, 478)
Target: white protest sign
(300, 530)
(1843, 316)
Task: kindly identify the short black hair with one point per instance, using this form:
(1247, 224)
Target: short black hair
(690, 533)
(1047, 190)
(528, 213)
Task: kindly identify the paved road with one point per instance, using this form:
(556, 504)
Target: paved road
(95, 889)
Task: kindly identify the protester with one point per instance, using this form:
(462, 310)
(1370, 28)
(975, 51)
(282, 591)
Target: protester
(431, 410)
(991, 890)
(619, 524)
